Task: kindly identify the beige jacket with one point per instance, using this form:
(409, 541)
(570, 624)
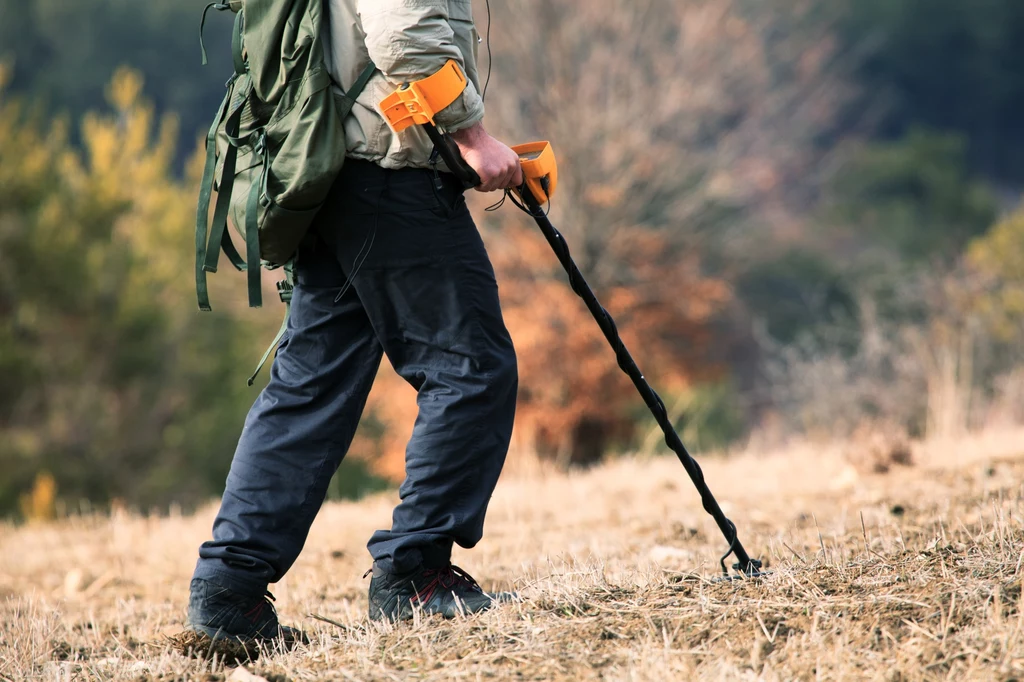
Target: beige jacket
(407, 40)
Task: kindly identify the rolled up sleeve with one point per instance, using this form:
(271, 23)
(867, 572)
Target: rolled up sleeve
(409, 40)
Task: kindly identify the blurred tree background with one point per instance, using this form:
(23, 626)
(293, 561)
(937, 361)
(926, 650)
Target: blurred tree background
(802, 215)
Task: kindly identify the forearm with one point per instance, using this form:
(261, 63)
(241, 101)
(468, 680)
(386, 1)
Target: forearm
(471, 135)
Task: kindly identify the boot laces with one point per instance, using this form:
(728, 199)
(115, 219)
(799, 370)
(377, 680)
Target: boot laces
(451, 575)
(447, 578)
(259, 608)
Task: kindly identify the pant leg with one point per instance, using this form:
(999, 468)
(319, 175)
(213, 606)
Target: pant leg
(296, 433)
(430, 293)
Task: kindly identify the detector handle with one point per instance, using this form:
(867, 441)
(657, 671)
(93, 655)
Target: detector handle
(452, 157)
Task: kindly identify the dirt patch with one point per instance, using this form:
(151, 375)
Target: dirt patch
(226, 651)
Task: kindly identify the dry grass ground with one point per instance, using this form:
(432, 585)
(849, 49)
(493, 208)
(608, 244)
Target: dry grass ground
(914, 574)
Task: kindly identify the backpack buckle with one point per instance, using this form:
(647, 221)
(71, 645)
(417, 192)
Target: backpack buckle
(285, 290)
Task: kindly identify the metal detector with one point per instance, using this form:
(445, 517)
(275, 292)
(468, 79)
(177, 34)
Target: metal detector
(415, 104)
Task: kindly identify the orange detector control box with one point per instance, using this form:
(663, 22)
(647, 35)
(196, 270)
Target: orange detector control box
(540, 168)
(417, 104)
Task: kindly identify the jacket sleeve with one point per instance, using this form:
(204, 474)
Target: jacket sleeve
(411, 39)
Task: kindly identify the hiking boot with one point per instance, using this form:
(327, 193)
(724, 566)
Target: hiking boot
(222, 614)
(448, 591)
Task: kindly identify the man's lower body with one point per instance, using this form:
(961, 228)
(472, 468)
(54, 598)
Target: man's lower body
(394, 265)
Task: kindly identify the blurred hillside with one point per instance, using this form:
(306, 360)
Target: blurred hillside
(63, 53)
(800, 214)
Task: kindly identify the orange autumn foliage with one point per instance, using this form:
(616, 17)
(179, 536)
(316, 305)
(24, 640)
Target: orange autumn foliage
(574, 400)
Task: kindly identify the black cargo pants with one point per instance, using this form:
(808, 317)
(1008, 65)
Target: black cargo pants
(423, 292)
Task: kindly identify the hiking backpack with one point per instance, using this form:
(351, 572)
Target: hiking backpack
(276, 143)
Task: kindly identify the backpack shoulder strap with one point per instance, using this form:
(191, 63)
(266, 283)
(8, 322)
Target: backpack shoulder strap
(348, 99)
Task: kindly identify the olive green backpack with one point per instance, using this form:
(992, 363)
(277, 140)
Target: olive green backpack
(276, 144)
